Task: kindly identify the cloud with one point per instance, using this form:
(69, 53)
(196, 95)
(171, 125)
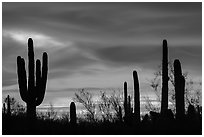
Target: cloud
(142, 55)
(40, 40)
(117, 23)
(87, 42)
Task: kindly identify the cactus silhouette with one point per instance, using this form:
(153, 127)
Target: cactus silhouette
(136, 97)
(129, 111)
(120, 114)
(164, 100)
(8, 106)
(72, 113)
(125, 99)
(129, 108)
(33, 92)
(179, 90)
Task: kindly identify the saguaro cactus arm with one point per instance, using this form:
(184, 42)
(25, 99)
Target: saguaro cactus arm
(44, 70)
(41, 79)
(22, 80)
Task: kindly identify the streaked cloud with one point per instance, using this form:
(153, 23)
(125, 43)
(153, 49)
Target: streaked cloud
(40, 40)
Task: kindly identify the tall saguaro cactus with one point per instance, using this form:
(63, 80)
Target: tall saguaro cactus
(179, 90)
(165, 78)
(136, 97)
(72, 113)
(33, 92)
(125, 99)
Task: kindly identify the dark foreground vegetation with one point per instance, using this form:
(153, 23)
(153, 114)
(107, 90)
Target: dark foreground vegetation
(127, 120)
(150, 125)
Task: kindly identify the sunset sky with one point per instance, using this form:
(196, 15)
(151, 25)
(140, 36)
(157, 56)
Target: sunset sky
(98, 45)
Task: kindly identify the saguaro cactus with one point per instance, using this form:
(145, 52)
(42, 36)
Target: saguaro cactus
(129, 108)
(165, 78)
(8, 106)
(179, 90)
(120, 114)
(125, 99)
(34, 92)
(72, 113)
(136, 97)
(129, 117)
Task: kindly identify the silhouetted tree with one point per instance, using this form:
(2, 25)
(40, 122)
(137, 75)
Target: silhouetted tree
(86, 99)
(115, 101)
(105, 107)
(109, 106)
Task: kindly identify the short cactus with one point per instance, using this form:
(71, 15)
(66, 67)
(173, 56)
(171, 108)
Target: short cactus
(72, 113)
(34, 92)
(8, 106)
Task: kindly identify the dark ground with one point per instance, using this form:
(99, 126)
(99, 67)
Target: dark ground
(18, 125)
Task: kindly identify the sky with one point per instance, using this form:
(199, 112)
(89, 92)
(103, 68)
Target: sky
(98, 45)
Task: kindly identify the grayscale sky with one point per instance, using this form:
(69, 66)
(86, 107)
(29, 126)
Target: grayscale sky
(98, 45)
